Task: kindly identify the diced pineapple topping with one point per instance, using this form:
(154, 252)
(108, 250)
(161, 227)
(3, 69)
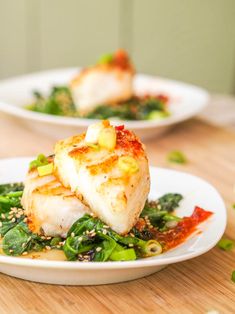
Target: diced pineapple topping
(45, 170)
(128, 164)
(107, 138)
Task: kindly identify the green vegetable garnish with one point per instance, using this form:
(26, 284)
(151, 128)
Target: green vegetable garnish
(97, 235)
(59, 102)
(169, 217)
(233, 276)
(123, 255)
(10, 196)
(16, 240)
(107, 246)
(158, 115)
(226, 244)
(106, 59)
(177, 157)
(41, 160)
(159, 212)
(169, 201)
(11, 187)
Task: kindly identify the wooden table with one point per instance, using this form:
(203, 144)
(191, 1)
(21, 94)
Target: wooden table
(195, 286)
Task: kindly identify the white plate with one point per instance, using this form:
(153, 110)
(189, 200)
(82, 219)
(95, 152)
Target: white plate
(195, 191)
(185, 102)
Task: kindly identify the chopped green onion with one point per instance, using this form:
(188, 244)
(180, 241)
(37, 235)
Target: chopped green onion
(41, 160)
(152, 248)
(233, 276)
(226, 244)
(177, 157)
(169, 217)
(45, 170)
(106, 59)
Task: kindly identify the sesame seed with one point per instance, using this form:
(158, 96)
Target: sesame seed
(13, 219)
(14, 209)
(0, 224)
(43, 238)
(80, 239)
(23, 244)
(92, 231)
(25, 253)
(87, 232)
(25, 220)
(86, 256)
(48, 238)
(93, 234)
(18, 215)
(132, 235)
(11, 251)
(159, 206)
(48, 247)
(131, 245)
(72, 234)
(104, 231)
(61, 243)
(3, 216)
(98, 249)
(105, 226)
(58, 246)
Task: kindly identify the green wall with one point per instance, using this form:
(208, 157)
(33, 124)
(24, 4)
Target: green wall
(190, 40)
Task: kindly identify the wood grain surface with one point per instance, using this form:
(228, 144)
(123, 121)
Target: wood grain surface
(195, 286)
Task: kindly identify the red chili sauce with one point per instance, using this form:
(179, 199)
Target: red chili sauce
(181, 232)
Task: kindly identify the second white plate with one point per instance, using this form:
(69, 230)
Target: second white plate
(185, 102)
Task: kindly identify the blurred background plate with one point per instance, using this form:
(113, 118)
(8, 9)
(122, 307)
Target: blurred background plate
(185, 102)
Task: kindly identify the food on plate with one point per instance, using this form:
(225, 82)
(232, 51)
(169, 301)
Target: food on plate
(49, 206)
(109, 167)
(108, 82)
(102, 91)
(90, 201)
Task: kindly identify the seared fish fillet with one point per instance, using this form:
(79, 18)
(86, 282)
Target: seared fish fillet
(102, 84)
(50, 207)
(114, 183)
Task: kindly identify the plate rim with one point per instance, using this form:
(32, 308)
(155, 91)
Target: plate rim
(20, 112)
(29, 262)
